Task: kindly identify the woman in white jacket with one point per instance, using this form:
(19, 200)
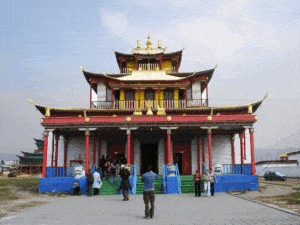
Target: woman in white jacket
(97, 182)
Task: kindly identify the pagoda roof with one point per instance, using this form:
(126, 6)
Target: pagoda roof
(147, 53)
(200, 110)
(148, 75)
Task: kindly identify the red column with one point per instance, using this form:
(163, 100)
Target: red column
(65, 151)
(132, 150)
(242, 149)
(251, 131)
(94, 152)
(90, 94)
(203, 154)
(169, 147)
(209, 148)
(87, 143)
(52, 149)
(46, 134)
(206, 94)
(99, 152)
(128, 147)
(198, 148)
(232, 150)
(112, 98)
(56, 153)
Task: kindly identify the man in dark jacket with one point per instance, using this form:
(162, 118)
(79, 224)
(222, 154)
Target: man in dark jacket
(89, 183)
(198, 181)
(125, 183)
(102, 165)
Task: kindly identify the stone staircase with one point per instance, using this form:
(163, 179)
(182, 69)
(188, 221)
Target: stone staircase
(158, 186)
(188, 185)
(107, 189)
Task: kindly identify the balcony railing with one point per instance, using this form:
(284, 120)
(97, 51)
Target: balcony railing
(134, 104)
(153, 66)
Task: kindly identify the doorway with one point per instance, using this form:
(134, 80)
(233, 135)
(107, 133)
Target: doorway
(149, 156)
(179, 162)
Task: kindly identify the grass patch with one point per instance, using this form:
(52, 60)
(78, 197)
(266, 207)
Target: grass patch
(5, 194)
(296, 188)
(291, 199)
(287, 185)
(57, 194)
(27, 182)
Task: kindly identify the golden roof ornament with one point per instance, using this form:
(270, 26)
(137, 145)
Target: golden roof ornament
(148, 43)
(138, 44)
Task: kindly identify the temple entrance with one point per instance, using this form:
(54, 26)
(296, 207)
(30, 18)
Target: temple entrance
(179, 162)
(149, 156)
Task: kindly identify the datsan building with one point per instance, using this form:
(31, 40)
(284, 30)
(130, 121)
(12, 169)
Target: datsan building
(151, 113)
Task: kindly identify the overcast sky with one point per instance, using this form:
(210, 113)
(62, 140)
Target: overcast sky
(255, 44)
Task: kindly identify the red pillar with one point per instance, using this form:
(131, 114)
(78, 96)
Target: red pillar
(56, 153)
(132, 150)
(169, 147)
(94, 152)
(90, 94)
(203, 154)
(52, 149)
(198, 148)
(46, 134)
(128, 147)
(87, 143)
(99, 152)
(251, 131)
(242, 149)
(209, 148)
(232, 150)
(206, 94)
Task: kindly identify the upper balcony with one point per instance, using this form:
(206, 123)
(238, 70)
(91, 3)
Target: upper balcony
(141, 104)
(149, 66)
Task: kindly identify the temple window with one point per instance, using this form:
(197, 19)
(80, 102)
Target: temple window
(149, 95)
(168, 95)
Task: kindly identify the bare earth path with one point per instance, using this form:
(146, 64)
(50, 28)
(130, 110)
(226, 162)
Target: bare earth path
(170, 209)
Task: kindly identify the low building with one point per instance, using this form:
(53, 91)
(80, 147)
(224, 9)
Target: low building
(287, 165)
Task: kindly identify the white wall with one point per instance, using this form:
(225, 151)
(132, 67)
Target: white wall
(194, 155)
(101, 91)
(196, 90)
(49, 149)
(137, 155)
(238, 148)
(161, 155)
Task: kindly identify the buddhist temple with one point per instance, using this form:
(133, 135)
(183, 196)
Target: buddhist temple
(151, 113)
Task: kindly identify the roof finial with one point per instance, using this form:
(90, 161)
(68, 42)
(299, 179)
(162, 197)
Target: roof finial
(148, 43)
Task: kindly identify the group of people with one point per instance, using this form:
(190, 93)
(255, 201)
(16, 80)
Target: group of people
(94, 182)
(209, 184)
(106, 164)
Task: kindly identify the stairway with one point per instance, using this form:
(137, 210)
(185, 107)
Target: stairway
(158, 186)
(107, 189)
(188, 185)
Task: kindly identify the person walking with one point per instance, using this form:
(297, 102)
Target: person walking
(102, 165)
(125, 183)
(97, 182)
(112, 170)
(212, 183)
(89, 183)
(149, 193)
(207, 183)
(198, 181)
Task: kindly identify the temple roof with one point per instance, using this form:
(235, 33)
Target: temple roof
(148, 75)
(212, 110)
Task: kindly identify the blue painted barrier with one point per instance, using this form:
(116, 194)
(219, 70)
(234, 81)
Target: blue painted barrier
(236, 183)
(64, 184)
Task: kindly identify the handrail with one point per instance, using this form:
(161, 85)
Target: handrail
(164, 178)
(237, 169)
(61, 172)
(178, 177)
(164, 103)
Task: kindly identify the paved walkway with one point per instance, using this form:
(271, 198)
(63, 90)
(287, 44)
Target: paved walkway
(170, 209)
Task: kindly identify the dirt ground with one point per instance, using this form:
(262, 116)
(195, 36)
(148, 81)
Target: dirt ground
(275, 193)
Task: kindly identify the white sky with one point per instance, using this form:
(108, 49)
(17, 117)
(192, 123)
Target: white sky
(255, 44)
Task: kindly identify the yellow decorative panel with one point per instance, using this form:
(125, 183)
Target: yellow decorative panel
(122, 98)
(156, 99)
(136, 98)
(142, 97)
(176, 97)
(161, 98)
(166, 64)
(131, 64)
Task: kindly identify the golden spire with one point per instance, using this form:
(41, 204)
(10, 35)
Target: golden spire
(138, 44)
(148, 43)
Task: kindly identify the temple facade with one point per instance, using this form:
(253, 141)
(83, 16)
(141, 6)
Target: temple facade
(152, 114)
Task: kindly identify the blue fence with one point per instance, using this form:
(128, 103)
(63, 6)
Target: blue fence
(61, 172)
(237, 169)
(165, 178)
